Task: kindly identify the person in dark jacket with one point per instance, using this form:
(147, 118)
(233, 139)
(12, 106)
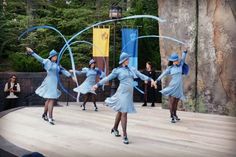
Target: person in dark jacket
(149, 89)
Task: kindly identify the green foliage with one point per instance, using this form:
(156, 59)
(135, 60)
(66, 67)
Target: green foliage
(22, 63)
(201, 105)
(69, 18)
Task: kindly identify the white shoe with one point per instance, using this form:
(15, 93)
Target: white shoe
(51, 121)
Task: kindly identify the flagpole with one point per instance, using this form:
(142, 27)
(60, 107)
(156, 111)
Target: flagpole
(115, 12)
(113, 83)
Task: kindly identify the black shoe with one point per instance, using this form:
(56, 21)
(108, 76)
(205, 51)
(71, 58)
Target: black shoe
(45, 117)
(115, 132)
(145, 104)
(83, 109)
(153, 105)
(173, 120)
(96, 109)
(125, 140)
(177, 118)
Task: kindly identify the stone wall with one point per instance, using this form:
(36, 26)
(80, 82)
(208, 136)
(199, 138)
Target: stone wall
(217, 55)
(180, 24)
(209, 27)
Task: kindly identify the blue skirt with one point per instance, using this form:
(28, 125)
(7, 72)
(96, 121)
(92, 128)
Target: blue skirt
(122, 100)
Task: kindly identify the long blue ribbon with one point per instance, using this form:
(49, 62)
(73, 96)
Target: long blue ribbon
(108, 21)
(67, 42)
(153, 36)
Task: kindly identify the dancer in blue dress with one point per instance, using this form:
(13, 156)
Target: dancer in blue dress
(175, 88)
(48, 88)
(86, 87)
(122, 100)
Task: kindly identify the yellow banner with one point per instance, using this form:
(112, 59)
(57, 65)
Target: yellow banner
(101, 38)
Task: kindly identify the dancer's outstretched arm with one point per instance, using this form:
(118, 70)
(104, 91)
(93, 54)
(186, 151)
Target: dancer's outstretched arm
(140, 75)
(65, 72)
(166, 72)
(184, 54)
(35, 55)
(79, 72)
(111, 76)
(100, 73)
(143, 77)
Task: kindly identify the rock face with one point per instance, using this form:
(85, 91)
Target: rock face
(180, 23)
(209, 26)
(216, 56)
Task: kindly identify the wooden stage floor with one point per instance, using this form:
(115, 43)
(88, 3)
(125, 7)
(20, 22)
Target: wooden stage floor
(87, 133)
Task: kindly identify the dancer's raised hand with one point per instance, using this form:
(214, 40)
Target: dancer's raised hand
(74, 79)
(186, 48)
(29, 50)
(153, 83)
(95, 87)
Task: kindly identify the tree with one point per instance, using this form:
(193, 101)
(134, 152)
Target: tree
(68, 16)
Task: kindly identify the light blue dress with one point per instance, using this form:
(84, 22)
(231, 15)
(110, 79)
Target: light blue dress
(48, 88)
(122, 100)
(175, 87)
(90, 81)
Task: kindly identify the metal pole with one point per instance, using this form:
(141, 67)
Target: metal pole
(113, 85)
(114, 48)
(67, 96)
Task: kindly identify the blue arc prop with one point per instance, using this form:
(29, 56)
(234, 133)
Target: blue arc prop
(136, 87)
(58, 61)
(77, 34)
(86, 42)
(150, 36)
(108, 21)
(154, 36)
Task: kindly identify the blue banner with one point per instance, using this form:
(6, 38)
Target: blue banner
(130, 45)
